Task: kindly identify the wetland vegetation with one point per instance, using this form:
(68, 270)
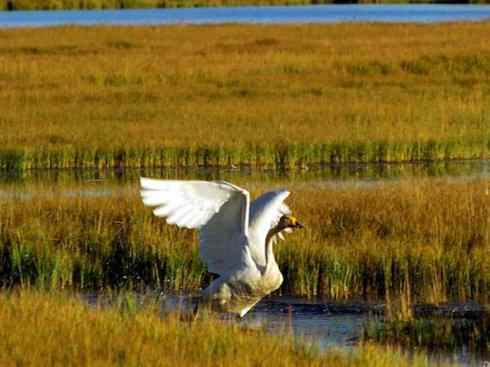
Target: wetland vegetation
(401, 242)
(265, 96)
(428, 239)
(268, 97)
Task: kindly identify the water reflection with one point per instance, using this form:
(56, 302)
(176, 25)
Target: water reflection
(121, 183)
(347, 172)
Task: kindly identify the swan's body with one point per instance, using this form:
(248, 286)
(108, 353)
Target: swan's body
(236, 237)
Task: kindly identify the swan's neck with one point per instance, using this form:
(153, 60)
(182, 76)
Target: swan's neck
(269, 254)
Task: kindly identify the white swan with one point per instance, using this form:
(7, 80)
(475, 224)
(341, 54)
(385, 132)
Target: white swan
(236, 237)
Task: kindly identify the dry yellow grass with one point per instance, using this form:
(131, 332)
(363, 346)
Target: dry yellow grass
(39, 329)
(359, 92)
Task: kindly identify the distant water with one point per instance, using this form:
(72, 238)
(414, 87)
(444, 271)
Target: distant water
(419, 13)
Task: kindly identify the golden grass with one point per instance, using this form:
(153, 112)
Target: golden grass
(256, 94)
(41, 329)
(425, 239)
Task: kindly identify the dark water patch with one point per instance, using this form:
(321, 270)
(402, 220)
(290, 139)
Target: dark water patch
(297, 305)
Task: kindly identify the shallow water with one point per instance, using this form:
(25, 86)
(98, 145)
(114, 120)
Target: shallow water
(346, 173)
(110, 183)
(419, 13)
(313, 322)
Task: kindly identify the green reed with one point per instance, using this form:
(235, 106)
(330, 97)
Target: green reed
(425, 238)
(279, 157)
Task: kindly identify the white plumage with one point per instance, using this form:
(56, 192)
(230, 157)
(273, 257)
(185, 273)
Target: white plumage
(236, 237)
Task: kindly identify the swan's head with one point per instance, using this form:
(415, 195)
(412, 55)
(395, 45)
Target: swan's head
(288, 221)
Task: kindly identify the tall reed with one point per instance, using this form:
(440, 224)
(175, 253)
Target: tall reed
(428, 237)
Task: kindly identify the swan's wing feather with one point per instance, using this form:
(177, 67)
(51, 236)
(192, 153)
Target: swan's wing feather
(223, 240)
(189, 204)
(265, 213)
(268, 208)
(219, 209)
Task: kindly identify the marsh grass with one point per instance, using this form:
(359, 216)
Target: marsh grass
(425, 238)
(39, 329)
(265, 96)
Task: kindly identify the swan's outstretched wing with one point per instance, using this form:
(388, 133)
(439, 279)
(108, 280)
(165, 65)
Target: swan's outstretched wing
(219, 209)
(265, 213)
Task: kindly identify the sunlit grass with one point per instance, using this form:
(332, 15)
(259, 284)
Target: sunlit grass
(273, 96)
(48, 329)
(425, 238)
